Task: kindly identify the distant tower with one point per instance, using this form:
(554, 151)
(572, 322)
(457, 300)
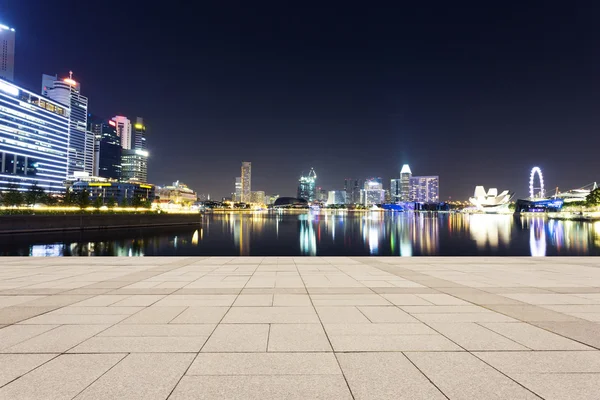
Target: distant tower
(7, 53)
(246, 181)
(405, 175)
(139, 134)
(124, 131)
(307, 186)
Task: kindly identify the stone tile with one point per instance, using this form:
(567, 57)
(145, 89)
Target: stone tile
(472, 336)
(245, 300)
(341, 315)
(378, 329)
(463, 376)
(264, 315)
(553, 298)
(297, 338)
(198, 300)
(386, 314)
(11, 335)
(406, 300)
(289, 387)
(66, 319)
(127, 344)
(7, 301)
(392, 343)
(561, 386)
(14, 314)
(385, 376)
(543, 362)
(238, 338)
(270, 364)
(158, 330)
(531, 313)
(101, 301)
(463, 317)
(138, 301)
(593, 317)
(61, 378)
(201, 315)
(154, 375)
(443, 309)
(291, 300)
(56, 300)
(582, 331)
(71, 310)
(533, 337)
(155, 315)
(57, 340)
(478, 296)
(13, 366)
(348, 300)
(442, 299)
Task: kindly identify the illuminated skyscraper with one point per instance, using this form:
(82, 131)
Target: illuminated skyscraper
(353, 188)
(134, 165)
(425, 189)
(395, 194)
(237, 195)
(81, 142)
(34, 139)
(307, 186)
(139, 134)
(258, 197)
(405, 175)
(107, 148)
(124, 131)
(373, 192)
(7, 53)
(246, 182)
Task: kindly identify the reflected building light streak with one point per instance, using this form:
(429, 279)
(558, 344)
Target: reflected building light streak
(489, 229)
(195, 238)
(537, 239)
(308, 240)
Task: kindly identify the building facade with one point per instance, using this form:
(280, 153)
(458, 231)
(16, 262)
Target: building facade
(246, 182)
(373, 192)
(424, 189)
(81, 142)
(139, 134)
(353, 188)
(395, 193)
(34, 139)
(258, 197)
(124, 132)
(237, 194)
(307, 186)
(336, 197)
(134, 165)
(119, 192)
(107, 148)
(405, 175)
(7, 53)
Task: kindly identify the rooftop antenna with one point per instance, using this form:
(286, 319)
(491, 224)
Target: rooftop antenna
(70, 74)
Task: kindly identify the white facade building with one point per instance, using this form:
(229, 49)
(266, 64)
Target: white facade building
(124, 131)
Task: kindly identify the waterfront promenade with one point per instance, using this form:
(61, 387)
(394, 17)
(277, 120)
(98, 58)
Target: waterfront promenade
(299, 328)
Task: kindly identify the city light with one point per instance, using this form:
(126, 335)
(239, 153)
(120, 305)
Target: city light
(9, 89)
(70, 81)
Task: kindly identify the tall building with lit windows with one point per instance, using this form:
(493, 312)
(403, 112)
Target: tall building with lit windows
(139, 134)
(405, 175)
(425, 189)
(237, 195)
(7, 53)
(395, 187)
(246, 182)
(373, 192)
(107, 148)
(34, 139)
(307, 186)
(81, 142)
(124, 131)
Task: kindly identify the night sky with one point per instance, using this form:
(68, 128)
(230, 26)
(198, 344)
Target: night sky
(473, 92)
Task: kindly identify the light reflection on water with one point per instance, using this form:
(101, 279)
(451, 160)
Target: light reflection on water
(329, 233)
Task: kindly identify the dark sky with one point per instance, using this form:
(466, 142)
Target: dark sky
(474, 92)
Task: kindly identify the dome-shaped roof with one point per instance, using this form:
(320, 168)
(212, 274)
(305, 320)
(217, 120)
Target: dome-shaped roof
(290, 202)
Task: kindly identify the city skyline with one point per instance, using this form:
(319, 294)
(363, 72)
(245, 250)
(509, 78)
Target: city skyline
(353, 103)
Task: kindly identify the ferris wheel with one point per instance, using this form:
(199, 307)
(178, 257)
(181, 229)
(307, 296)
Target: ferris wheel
(532, 189)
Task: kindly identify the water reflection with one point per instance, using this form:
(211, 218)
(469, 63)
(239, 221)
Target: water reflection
(329, 233)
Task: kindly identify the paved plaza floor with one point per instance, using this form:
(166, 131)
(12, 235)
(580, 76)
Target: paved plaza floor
(299, 328)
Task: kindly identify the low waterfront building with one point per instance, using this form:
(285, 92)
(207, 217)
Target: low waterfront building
(272, 198)
(290, 202)
(178, 193)
(257, 197)
(336, 197)
(34, 140)
(115, 192)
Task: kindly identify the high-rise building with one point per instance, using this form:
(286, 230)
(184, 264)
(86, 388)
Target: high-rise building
(424, 189)
(134, 165)
(139, 134)
(321, 194)
(7, 53)
(395, 194)
(405, 175)
(373, 192)
(336, 197)
(258, 197)
(34, 139)
(81, 142)
(307, 186)
(124, 131)
(353, 188)
(107, 148)
(246, 181)
(237, 196)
